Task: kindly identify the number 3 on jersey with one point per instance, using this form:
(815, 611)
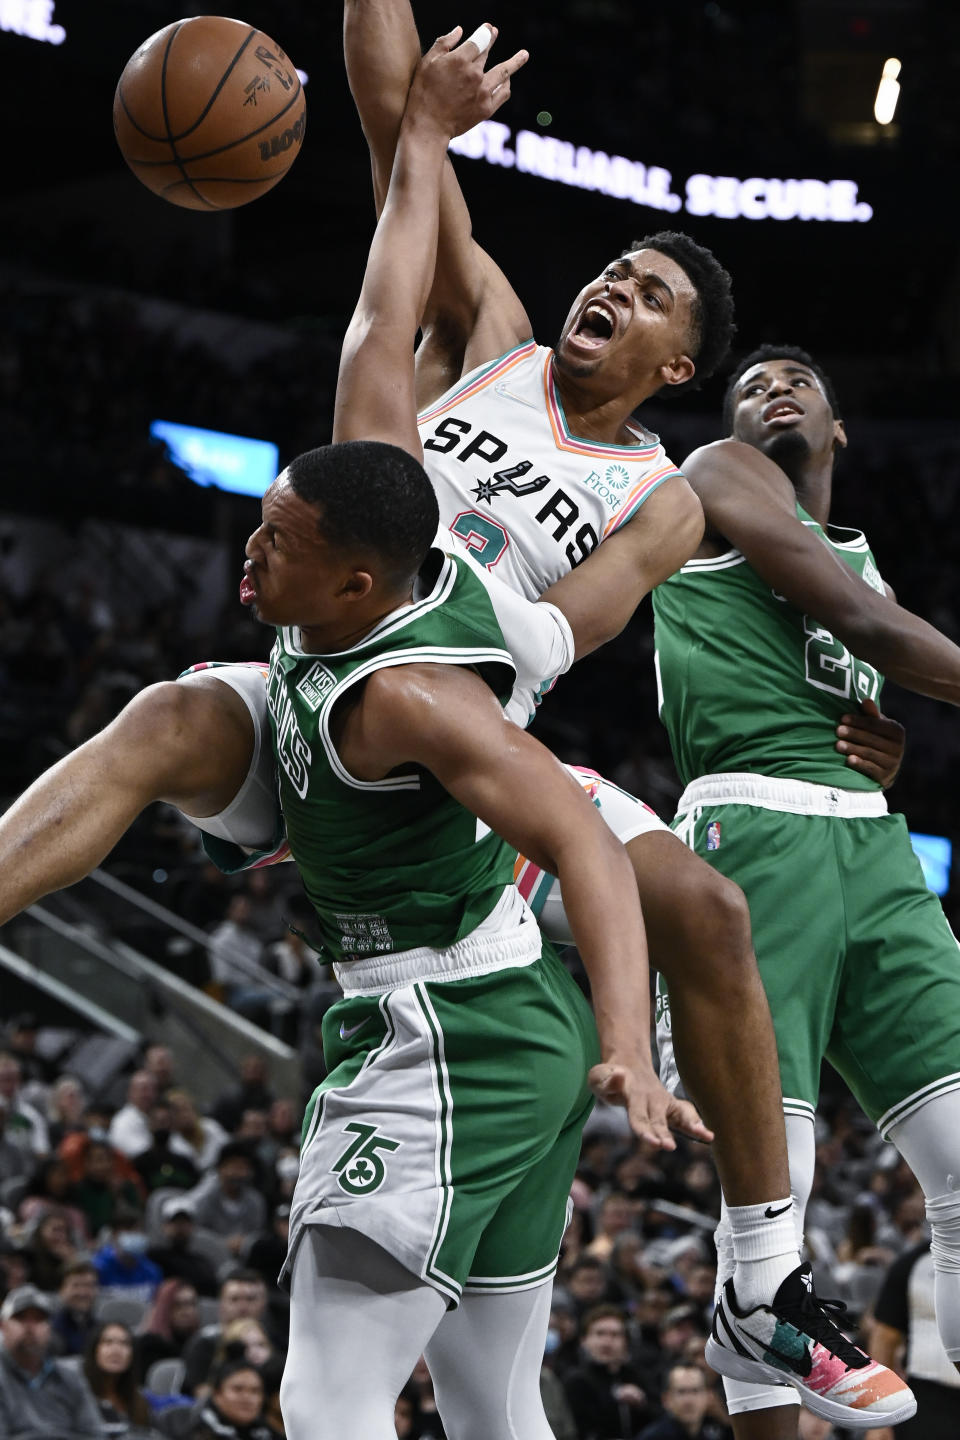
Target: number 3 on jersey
(482, 536)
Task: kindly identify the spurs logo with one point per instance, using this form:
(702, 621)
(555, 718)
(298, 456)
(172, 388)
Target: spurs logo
(507, 480)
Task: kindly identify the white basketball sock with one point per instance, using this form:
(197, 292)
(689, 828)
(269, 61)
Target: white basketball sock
(764, 1249)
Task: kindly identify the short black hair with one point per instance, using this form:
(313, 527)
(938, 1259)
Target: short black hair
(760, 356)
(713, 319)
(233, 1365)
(372, 497)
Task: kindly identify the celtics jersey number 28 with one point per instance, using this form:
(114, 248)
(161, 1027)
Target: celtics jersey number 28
(747, 682)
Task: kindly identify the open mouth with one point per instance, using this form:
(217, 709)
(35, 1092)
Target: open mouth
(248, 591)
(595, 326)
(782, 410)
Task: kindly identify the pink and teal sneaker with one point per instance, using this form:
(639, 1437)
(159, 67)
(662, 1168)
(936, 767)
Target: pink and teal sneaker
(796, 1342)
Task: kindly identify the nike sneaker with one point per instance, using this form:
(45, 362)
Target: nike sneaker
(796, 1341)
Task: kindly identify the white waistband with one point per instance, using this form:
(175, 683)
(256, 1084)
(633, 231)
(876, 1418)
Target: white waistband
(770, 792)
(508, 937)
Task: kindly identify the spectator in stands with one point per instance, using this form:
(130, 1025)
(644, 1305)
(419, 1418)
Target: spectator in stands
(236, 952)
(588, 1283)
(406, 1413)
(49, 1249)
(24, 1124)
(242, 1293)
(21, 1040)
(283, 1124)
(227, 1202)
(49, 1188)
(556, 1406)
(199, 1137)
(286, 1169)
(14, 1271)
(234, 1410)
(904, 1336)
(158, 1062)
(246, 1337)
(615, 1215)
(16, 1161)
(172, 1320)
(106, 1181)
(181, 1254)
(162, 1166)
(66, 1104)
(41, 1398)
(110, 1368)
(74, 1322)
(122, 1263)
(604, 1391)
(562, 1351)
(680, 1325)
(130, 1130)
(268, 1252)
(685, 1399)
(430, 1426)
(253, 1093)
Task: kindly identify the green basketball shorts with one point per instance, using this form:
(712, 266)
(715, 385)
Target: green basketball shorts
(858, 961)
(448, 1128)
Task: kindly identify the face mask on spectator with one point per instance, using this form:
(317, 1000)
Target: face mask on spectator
(133, 1242)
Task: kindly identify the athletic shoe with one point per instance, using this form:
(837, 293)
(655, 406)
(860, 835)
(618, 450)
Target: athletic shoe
(795, 1340)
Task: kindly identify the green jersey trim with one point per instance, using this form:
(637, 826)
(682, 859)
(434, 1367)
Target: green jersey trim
(396, 620)
(444, 1172)
(424, 654)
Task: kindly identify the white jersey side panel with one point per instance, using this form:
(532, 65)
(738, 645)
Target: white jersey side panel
(251, 818)
(526, 497)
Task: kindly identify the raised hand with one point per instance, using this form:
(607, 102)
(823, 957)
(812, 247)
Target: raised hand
(873, 743)
(652, 1111)
(450, 87)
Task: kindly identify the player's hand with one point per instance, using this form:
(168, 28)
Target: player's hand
(451, 87)
(652, 1111)
(873, 743)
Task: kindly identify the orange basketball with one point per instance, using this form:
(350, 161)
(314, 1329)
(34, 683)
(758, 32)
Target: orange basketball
(209, 113)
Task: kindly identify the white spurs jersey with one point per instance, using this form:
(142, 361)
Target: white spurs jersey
(529, 499)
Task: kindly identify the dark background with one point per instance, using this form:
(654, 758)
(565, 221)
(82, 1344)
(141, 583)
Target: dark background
(120, 308)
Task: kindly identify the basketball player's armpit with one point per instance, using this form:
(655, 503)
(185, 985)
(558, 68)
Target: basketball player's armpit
(599, 596)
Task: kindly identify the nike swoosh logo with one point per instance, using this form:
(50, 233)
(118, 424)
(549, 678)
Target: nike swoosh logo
(347, 1032)
(772, 1214)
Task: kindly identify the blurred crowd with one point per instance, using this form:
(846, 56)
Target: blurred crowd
(142, 1234)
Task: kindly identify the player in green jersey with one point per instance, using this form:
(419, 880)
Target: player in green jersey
(774, 633)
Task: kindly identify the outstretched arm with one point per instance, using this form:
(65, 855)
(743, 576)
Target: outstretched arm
(446, 719)
(189, 743)
(375, 388)
(473, 313)
(749, 501)
(599, 596)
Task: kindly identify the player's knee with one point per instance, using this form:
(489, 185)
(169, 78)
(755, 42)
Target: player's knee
(943, 1213)
(716, 931)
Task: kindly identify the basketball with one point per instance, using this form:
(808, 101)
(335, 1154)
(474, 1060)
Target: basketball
(209, 113)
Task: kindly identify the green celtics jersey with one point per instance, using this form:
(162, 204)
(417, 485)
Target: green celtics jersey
(397, 863)
(746, 682)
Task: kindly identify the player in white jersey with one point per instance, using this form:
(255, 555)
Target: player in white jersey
(527, 497)
(655, 316)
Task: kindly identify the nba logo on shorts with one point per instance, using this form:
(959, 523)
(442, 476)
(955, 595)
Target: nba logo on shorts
(713, 835)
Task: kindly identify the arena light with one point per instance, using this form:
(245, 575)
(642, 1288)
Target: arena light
(212, 457)
(888, 92)
(32, 19)
(935, 853)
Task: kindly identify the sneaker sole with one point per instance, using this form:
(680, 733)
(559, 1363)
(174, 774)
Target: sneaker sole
(741, 1367)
